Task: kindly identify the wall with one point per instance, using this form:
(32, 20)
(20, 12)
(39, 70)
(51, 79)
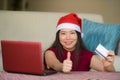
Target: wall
(1, 4)
(108, 8)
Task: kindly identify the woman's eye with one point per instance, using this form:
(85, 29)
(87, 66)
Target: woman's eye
(72, 32)
(63, 33)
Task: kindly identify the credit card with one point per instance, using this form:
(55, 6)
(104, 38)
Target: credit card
(101, 51)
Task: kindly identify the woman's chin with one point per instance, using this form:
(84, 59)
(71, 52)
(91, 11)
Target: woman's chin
(69, 48)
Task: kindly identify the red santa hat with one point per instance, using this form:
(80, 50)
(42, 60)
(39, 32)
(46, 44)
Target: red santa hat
(71, 21)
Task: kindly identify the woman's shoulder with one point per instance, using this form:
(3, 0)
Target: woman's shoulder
(87, 52)
(52, 49)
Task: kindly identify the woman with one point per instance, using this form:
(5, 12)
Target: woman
(68, 52)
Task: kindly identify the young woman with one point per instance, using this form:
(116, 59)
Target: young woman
(68, 52)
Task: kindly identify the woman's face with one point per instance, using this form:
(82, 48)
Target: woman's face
(68, 38)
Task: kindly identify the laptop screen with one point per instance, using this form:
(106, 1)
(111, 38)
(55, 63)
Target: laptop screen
(22, 56)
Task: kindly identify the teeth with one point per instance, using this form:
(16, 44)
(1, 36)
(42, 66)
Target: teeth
(68, 43)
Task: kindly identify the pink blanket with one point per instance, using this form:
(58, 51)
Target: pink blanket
(61, 76)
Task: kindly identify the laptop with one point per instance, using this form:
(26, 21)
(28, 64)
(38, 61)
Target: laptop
(23, 57)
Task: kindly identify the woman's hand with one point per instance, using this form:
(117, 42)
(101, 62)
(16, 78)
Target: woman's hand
(67, 64)
(109, 61)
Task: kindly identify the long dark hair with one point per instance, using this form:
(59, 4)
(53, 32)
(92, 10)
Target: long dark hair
(79, 46)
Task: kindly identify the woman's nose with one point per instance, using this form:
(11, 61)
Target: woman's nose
(67, 36)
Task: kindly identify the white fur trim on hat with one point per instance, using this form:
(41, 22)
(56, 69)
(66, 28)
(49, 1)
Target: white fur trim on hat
(68, 25)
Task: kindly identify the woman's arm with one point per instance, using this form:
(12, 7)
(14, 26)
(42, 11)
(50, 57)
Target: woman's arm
(103, 65)
(52, 61)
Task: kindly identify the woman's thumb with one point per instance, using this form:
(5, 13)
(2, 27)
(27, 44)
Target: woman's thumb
(68, 56)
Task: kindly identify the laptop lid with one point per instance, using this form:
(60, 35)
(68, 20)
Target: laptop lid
(22, 57)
